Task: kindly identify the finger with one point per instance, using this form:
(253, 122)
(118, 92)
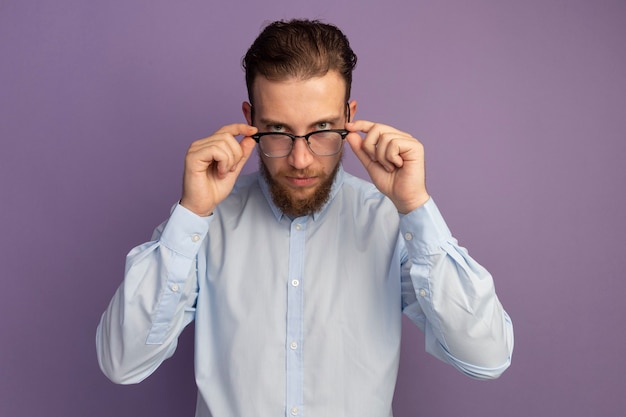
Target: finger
(237, 149)
(222, 156)
(360, 126)
(373, 140)
(392, 155)
(228, 163)
(388, 151)
(222, 148)
(382, 143)
(237, 129)
(219, 152)
(369, 127)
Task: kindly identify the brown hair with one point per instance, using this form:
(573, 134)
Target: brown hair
(299, 48)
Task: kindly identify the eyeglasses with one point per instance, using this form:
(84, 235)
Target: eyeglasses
(320, 142)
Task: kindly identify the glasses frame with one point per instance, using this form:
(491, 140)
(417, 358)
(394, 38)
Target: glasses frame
(342, 132)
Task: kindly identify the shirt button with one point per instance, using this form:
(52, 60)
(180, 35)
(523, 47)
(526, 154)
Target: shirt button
(422, 292)
(298, 226)
(195, 237)
(294, 411)
(293, 345)
(295, 282)
(175, 287)
(408, 236)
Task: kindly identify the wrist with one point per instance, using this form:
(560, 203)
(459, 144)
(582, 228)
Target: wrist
(199, 211)
(405, 207)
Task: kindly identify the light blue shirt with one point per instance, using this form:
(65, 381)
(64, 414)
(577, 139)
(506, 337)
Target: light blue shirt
(302, 317)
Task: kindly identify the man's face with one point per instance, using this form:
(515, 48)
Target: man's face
(300, 182)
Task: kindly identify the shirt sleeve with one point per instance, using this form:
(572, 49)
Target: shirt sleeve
(156, 300)
(452, 298)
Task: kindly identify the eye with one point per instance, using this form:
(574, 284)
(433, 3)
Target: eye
(323, 126)
(276, 128)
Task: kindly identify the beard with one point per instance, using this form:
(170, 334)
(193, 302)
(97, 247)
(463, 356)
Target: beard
(288, 202)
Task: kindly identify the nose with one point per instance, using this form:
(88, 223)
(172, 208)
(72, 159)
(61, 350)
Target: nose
(300, 156)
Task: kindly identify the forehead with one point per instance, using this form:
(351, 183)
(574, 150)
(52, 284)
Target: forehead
(294, 100)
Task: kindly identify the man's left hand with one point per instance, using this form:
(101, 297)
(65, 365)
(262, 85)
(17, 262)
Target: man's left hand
(394, 160)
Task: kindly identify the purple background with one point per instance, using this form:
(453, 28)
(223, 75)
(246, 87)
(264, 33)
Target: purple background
(521, 106)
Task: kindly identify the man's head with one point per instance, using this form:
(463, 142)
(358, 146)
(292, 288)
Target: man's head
(299, 49)
(299, 75)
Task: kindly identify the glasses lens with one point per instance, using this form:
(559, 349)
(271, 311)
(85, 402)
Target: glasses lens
(276, 145)
(325, 143)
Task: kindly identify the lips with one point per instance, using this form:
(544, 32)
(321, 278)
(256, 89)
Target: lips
(301, 181)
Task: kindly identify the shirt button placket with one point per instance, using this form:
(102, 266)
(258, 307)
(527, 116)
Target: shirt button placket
(295, 377)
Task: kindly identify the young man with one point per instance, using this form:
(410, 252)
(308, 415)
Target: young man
(297, 276)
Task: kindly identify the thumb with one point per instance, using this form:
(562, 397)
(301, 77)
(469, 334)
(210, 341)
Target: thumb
(247, 146)
(356, 143)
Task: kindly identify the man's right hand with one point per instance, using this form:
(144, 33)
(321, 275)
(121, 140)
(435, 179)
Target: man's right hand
(212, 165)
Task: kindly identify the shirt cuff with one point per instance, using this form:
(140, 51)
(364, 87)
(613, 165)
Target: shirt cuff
(424, 230)
(185, 231)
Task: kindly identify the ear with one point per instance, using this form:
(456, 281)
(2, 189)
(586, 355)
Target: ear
(247, 112)
(352, 106)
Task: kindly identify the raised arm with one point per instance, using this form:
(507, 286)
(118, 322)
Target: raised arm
(156, 300)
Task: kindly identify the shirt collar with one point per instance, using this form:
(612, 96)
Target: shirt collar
(338, 181)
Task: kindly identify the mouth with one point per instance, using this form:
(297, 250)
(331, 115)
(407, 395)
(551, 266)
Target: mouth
(301, 182)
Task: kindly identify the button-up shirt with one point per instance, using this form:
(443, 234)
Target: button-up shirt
(302, 317)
